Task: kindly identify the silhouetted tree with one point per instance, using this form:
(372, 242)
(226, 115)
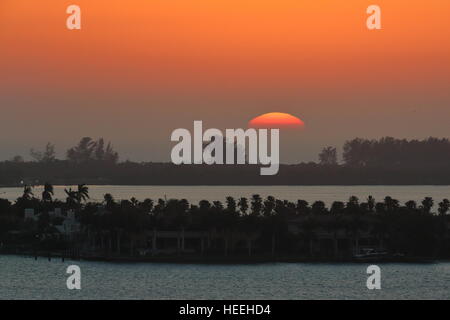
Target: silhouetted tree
(269, 206)
(318, 207)
(17, 159)
(47, 194)
(427, 204)
(27, 192)
(391, 152)
(337, 208)
(108, 199)
(328, 156)
(256, 205)
(391, 204)
(75, 197)
(371, 203)
(83, 151)
(411, 205)
(302, 207)
(105, 154)
(82, 192)
(46, 156)
(243, 205)
(444, 206)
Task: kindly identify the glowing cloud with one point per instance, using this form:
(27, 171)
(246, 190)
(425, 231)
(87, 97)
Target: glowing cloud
(275, 120)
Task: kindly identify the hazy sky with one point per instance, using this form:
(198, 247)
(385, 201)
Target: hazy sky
(139, 69)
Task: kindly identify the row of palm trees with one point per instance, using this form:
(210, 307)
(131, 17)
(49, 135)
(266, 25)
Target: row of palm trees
(410, 227)
(76, 196)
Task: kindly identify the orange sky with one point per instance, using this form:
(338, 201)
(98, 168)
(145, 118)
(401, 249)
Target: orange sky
(225, 61)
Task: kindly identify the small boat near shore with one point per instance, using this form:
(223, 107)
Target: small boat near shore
(374, 255)
(371, 255)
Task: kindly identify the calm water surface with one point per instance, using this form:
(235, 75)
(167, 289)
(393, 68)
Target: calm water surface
(25, 278)
(328, 194)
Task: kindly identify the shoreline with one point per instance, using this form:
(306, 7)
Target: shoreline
(217, 260)
(245, 185)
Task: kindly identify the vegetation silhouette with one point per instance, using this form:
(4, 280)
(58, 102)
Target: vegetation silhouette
(391, 152)
(252, 227)
(386, 161)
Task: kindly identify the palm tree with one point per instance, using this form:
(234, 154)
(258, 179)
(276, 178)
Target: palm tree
(108, 200)
(243, 205)
(72, 197)
(353, 205)
(337, 208)
(231, 204)
(391, 204)
(82, 193)
(256, 205)
(134, 202)
(27, 192)
(371, 203)
(302, 207)
(411, 205)
(444, 206)
(318, 207)
(269, 206)
(427, 204)
(147, 205)
(47, 193)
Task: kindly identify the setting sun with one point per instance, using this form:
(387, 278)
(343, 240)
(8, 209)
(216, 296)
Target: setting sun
(276, 120)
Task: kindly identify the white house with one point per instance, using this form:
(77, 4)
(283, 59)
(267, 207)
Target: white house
(70, 225)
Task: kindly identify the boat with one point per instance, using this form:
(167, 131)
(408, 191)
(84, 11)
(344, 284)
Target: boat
(370, 254)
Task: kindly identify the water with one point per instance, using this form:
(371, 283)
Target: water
(25, 278)
(193, 194)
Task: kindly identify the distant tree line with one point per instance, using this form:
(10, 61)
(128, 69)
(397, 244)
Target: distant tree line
(87, 150)
(391, 152)
(372, 162)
